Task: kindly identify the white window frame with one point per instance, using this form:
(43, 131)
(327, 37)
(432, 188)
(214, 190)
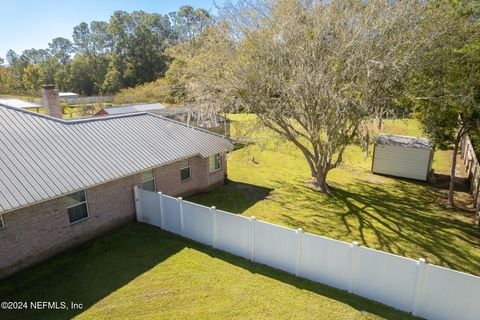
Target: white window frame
(219, 163)
(153, 179)
(2, 222)
(86, 206)
(189, 166)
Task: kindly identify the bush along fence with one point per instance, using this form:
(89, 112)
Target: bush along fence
(473, 169)
(425, 290)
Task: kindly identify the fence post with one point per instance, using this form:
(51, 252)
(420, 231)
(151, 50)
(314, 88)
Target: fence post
(353, 265)
(418, 285)
(180, 210)
(252, 248)
(138, 206)
(213, 209)
(299, 251)
(162, 214)
(472, 183)
(477, 193)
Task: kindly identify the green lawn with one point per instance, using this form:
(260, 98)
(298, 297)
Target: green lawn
(141, 272)
(268, 180)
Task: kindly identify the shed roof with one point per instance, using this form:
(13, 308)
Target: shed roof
(43, 157)
(18, 103)
(404, 141)
(134, 108)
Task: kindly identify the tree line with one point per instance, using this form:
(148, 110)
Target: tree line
(104, 57)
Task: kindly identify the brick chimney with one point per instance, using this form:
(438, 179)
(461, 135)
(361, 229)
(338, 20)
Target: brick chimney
(51, 101)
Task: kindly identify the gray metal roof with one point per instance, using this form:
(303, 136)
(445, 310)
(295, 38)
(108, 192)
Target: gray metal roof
(404, 141)
(43, 157)
(67, 95)
(134, 108)
(18, 103)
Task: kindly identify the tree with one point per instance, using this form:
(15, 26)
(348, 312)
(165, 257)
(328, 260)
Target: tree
(33, 78)
(61, 48)
(2, 61)
(17, 65)
(80, 75)
(113, 79)
(189, 22)
(12, 57)
(7, 82)
(34, 56)
(314, 71)
(446, 84)
(50, 67)
(82, 38)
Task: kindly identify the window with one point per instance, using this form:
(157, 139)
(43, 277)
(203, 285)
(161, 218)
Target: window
(2, 224)
(214, 162)
(148, 180)
(77, 206)
(185, 173)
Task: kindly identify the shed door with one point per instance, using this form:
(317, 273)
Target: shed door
(403, 162)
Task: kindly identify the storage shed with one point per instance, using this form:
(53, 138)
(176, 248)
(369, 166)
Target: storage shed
(402, 156)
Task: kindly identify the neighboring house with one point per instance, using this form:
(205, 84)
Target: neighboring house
(149, 107)
(19, 103)
(403, 156)
(65, 181)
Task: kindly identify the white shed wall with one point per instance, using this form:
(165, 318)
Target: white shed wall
(403, 162)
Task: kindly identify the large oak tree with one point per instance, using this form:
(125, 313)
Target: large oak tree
(313, 71)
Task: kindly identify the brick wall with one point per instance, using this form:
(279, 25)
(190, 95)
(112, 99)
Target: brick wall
(39, 231)
(167, 178)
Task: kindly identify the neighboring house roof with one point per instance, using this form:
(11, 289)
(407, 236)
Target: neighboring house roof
(134, 108)
(18, 103)
(43, 157)
(404, 141)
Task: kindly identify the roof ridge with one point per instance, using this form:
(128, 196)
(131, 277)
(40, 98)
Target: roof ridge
(73, 121)
(109, 117)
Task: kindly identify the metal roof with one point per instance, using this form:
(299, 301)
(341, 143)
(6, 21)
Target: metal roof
(134, 108)
(404, 141)
(18, 103)
(68, 95)
(43, 157)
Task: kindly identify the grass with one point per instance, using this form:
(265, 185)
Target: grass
(404, 217)
(142, 272)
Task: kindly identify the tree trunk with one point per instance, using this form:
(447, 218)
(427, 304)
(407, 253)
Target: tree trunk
(321, 180)
(451, 188)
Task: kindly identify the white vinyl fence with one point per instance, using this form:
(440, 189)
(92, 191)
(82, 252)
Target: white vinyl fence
(423, 289)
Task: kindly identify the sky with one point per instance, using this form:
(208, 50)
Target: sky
(26, 24)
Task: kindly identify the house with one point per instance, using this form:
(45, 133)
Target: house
(147, 107)
(63, 182)
(402, 156)
(19, 103)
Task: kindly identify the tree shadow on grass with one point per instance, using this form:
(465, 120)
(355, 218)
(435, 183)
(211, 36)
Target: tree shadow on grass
(356, 302)
(233, 197)
(98, 268)
(405, 218)
(88, 273)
